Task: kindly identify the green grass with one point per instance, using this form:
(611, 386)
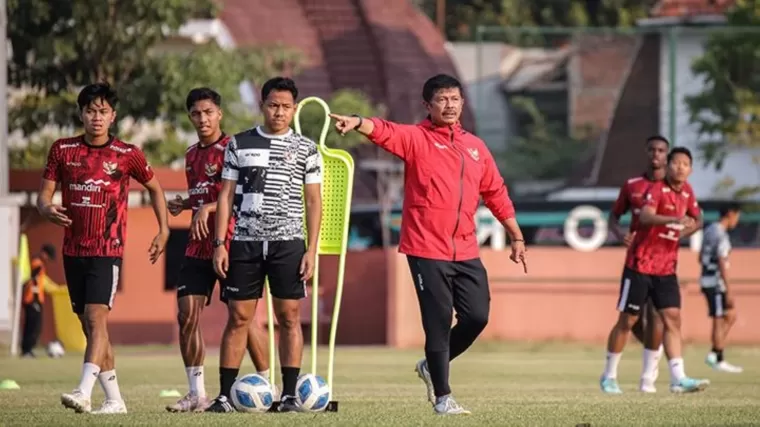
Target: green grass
(503, 384)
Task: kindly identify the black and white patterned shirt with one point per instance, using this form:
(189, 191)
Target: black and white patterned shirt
(716, 245)
(270, 171)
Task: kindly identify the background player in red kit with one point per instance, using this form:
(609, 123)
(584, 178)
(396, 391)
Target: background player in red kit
(649, 328)
(93, 171)
(670, 212)
(203, 167)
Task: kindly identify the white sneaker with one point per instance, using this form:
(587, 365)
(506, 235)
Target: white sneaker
(77, 401)
(727, 367)
(112, 407)
(422, 371)
(646, 385)
(448, 406)
(189, 403)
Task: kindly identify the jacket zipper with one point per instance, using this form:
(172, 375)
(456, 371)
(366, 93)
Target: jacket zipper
(461, 191)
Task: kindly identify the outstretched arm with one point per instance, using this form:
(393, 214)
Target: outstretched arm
(392, 137)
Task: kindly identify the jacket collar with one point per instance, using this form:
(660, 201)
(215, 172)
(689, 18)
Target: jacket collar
(444, 130)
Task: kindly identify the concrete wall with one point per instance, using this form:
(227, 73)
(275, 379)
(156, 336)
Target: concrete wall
(568, 295)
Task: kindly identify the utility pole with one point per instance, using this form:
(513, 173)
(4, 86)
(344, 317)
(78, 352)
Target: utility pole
(4, 163)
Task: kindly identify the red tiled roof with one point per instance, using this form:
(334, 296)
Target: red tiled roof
(681, 8)
(386, 49)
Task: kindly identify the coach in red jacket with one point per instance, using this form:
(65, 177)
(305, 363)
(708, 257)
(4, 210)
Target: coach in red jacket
(447, 170)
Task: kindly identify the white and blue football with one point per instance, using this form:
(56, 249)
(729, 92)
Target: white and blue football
(252, 393)
(312, 392)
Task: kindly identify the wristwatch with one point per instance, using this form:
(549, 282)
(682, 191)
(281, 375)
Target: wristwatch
(218, 243)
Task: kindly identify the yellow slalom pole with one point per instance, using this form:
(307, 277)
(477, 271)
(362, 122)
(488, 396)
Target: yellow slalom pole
(337, 189)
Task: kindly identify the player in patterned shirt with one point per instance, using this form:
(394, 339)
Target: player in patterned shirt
(268, 172)
(203, 167)
(93, 171)
(670, 213)
(649, 328)
(716, 246)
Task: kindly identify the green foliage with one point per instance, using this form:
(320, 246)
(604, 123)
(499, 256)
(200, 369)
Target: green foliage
(546, 152)
(462, 16)
(60, 46)
(727, 111)
(221, 70)
(33, 155)
(343, 102)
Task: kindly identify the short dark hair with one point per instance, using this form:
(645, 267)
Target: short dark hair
(49, 250)
(654, 138)
(680, 150)
(202, 94)
(438, 82)
(279, 84)
(728, 208)
(96, 91)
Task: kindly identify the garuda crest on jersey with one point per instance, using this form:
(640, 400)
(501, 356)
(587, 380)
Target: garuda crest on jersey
(211, 169)
(109, 168)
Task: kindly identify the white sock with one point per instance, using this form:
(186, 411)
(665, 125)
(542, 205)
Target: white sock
(676, 370)
(611, 367)
(650, 360)
(110, 385)
(660, 352)
(90, 373)
(195, 380)
(264, 374)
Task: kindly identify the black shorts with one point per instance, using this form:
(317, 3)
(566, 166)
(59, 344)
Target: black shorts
(637, 288)
(197, 277)
(277, 261)
(91, 280)
(716, 302)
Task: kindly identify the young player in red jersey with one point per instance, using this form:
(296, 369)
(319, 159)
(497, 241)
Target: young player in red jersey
(649, 328)
(204, 162)
(93, 171)
(670, 213)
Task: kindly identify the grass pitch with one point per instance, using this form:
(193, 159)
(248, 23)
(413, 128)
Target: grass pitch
(503, 384)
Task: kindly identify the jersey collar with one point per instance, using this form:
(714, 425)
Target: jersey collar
(111, 139)
(221, 138)
(261, 132)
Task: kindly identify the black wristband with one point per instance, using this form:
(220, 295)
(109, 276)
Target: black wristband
(361, 120)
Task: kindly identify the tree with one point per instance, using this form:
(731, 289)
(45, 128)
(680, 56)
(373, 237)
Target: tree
(727, 111)
(55, 53)
(462, 16)
(545, 152)
(312, 117)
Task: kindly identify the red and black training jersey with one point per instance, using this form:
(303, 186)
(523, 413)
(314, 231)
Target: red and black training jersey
(632, 197)
(654, 249)
(94, 181)
(203, 169)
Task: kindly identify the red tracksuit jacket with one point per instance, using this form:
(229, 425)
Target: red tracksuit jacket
(447, 170)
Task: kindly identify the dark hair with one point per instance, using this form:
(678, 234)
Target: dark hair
(279, 84)
(729, 208)
(96, 91)
(438, 82)
(49, 250)
(654, 138)
(679, 150)
(202, 94)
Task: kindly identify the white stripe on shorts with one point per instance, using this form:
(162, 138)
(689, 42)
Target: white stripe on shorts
(718, 304)
(624, 294)
(114, 284)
